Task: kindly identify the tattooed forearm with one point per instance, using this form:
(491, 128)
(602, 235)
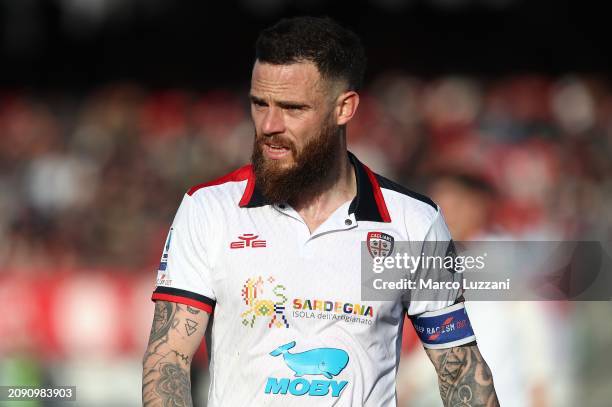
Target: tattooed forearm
(464, 377)
(176, 333)
(174, 385)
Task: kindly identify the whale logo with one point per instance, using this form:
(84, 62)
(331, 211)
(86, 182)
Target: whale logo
(328, 362)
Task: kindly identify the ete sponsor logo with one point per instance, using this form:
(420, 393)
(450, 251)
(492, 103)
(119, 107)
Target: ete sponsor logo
(328, 362)
(247, 240)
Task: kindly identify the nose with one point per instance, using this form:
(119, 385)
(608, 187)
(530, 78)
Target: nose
(273, 121)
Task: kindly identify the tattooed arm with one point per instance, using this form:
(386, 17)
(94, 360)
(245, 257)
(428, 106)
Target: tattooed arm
(464, 378)
(175, 336)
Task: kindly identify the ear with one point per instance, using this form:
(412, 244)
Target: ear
(346, 107)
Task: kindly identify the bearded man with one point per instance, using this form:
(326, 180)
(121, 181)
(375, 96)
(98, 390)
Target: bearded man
(273, 251)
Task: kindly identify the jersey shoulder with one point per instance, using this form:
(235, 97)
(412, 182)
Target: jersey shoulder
(386, 183)
(238, 175)
(415, 210)
(226, 192)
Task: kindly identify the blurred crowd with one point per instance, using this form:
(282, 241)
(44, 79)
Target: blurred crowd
(93, 179)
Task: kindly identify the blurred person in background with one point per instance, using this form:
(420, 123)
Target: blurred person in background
(303, 93)
(529, 374)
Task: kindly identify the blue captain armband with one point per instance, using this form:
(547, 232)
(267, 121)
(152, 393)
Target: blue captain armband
(444, 328)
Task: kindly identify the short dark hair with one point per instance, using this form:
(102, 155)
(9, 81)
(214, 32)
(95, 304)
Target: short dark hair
(335, 50)
(471, 181)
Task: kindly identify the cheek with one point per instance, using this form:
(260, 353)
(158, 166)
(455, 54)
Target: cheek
(257, 118)
(304, 131)
(301, 139)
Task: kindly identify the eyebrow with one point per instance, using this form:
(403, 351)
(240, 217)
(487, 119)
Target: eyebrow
(285, 104)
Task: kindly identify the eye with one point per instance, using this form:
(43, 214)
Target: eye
(258, 103)
(293, 108)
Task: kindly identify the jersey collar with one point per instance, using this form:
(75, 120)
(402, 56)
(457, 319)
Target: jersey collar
(368, 204)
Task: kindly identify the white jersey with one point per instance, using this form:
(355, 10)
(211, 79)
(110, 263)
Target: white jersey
(290, 327)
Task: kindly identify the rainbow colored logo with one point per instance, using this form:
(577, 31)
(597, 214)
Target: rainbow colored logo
(264, 299)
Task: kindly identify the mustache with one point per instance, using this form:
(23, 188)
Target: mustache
(276, 140)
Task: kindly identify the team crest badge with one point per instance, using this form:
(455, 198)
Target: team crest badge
(380, 244)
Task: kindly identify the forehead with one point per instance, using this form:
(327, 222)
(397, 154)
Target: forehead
(298, 80)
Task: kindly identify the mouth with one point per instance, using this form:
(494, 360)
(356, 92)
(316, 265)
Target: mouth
(275, 151)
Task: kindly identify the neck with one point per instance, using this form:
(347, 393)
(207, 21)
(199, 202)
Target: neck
(339, 187)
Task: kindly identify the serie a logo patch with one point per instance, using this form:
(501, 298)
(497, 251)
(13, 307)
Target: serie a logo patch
(163, 264)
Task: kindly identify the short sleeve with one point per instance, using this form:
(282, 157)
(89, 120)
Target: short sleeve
(184, 274)
(437, 246)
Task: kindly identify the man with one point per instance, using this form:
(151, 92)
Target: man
(272, 250)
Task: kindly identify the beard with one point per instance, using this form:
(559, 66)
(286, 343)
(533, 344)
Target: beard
(307, 176)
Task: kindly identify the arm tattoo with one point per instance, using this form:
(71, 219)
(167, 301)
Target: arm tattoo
(192, 310)
(183, 357)
(163, 320)
(464, 377)
(166, 381)
(190, 327)
(174, 386)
